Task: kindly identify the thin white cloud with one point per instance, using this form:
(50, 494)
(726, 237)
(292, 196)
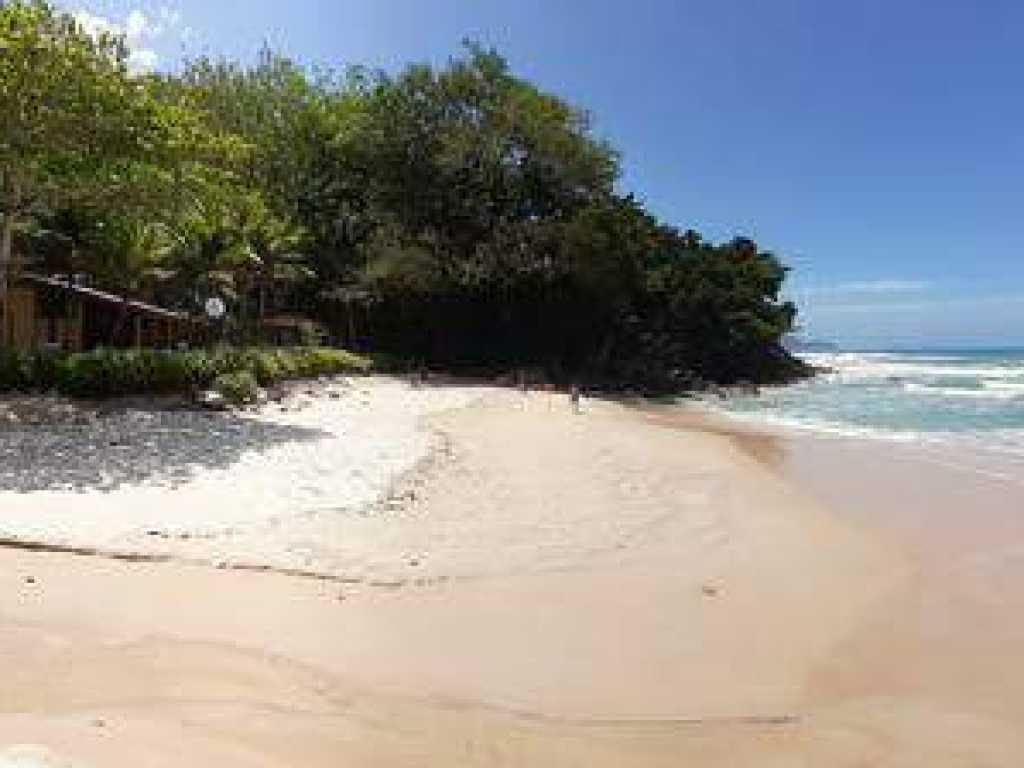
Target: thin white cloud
(137, 26)
(884, 287)
(169, 17)
(96, 25)
(139, 30)
(142, 61)
(990, 319)
(969, 303)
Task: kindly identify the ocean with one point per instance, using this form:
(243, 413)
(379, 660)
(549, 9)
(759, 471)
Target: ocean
(960, 399)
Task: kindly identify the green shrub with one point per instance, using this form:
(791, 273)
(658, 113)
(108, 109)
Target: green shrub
(45, 371)
(104, 373)
(115, 372)
(238, 388)
(14, 371)
(383, 362)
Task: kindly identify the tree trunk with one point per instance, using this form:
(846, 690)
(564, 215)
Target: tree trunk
(12, 201)
(6, 275)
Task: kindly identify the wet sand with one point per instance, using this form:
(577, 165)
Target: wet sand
(599, 590)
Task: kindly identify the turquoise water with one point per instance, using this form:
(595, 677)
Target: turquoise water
(955, 397)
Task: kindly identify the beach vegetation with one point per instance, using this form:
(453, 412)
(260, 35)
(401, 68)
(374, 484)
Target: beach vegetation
(458, 216)
(123, 372)
(238, 388)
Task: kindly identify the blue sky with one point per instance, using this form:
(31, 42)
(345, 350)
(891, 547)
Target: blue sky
(877, 146)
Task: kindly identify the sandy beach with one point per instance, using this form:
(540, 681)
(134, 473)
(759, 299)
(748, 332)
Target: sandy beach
(467, 576)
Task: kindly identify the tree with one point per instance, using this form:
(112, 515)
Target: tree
(466, 170)
(71, 120)
(455, 214)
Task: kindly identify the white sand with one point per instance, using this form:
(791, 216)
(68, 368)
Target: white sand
(602, 590)
(29, 756)
(591, 591)
(139, 479)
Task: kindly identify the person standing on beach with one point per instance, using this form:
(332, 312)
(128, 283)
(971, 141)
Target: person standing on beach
(574, 398)
(524, 387)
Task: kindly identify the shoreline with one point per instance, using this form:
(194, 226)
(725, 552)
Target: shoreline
(591, 590)
(949, 639)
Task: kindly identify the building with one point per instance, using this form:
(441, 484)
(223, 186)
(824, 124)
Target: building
(291, 331)
(61, 313)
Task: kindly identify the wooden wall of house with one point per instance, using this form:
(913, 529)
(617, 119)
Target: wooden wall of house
(80, 325)
(32, 330)
(23, 317)
(158, 332)
(72, 332)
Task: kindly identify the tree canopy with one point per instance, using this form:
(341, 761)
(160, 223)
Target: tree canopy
(458, 215)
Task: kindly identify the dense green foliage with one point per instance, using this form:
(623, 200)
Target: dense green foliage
(238, 388)
(117, 373)
(456, 216)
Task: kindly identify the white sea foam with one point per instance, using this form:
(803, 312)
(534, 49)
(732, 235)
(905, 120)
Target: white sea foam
(988, 390)
(969, 402)
(1016, 387)
(884, 369)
